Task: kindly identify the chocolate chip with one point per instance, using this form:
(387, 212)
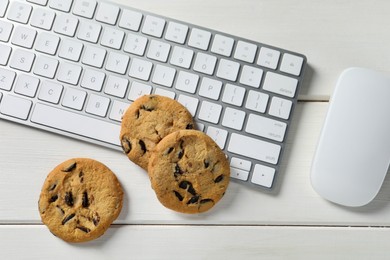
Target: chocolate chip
(178, 170)
(203, 201)
(180, 154)
(67, 218)
(186, 185)
(69, 199)
(96, 219)
(219, 179)
(206, 163)
(126, 145)
(70, 167)
(81, 176)
(170, 149)
(149, 109)
(137, 114)
(85, 202)
(53, 198)
(52, 187)
(84, 229)
(190, 126)
(193, 200)
(178, 195)
(143, 146)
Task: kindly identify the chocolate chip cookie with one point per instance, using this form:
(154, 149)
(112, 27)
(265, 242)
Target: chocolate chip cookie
(188, 171)
(147, 121)
(80, 199)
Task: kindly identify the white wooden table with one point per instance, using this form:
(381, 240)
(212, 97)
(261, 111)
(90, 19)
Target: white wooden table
(292, 222)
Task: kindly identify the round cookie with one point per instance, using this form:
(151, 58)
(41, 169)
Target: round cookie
(148, 120)
(188, 171)
(80, 199)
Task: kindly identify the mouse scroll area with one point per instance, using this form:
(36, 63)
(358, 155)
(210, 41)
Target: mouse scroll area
(353, 153)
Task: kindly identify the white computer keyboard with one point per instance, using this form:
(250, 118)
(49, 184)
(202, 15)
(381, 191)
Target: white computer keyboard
(73, 66)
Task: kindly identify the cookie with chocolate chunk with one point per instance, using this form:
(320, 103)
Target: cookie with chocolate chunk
(188, 171)
(147, 121)
(80, 199)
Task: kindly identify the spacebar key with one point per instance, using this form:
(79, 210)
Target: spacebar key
(76, 123)
(254, 148)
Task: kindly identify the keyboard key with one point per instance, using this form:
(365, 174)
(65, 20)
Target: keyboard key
(218, 135)
(74, 99)
(165, 93)
(199, 39)
(6, 52)
(89, 31)
(15, 107)
(42, 18)
(61, 5)
(158, 51)
(116, 86)
(107, 13)
(140, 69)
(263, 175)
(45, 66)
(182, 57)
(47, 43)
(93, 80)
(280, 84)
(66, 25)
(266, 127)
(5, 30)
(222, 45)
(97, 105)
(26, 85)
(94, 56)
(257, 101)
(117, 110)
(187, 82)
(254, 148)
(176, 32)
(228, 69)
(233, 118)
(268, 58)
(80, 124)
(245, 51)
(210, 112)
(22, 60)
(153, 26)
(135, 44)
(7, 78)
(69, 73)
(112, 38)
(240, 164)
(117, 62)
(251, 76)
(233, 95)
(70, 50)
(210, 88)
(24, 37)
(164, 75)
(190, 103)
(50, 92)
(19, 12)
(84, 8)
(291, 64)
(205, 63)
(280, 107)
(138, 90)
(3, 7)
(239, 174)
(130, 20)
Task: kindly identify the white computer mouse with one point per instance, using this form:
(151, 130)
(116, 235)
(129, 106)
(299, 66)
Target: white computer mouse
(353, 153)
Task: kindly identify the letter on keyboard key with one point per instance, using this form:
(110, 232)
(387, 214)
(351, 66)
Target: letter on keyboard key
(7, 78)
(22, 60)
(76, 123)
(254, 148)
(15, 107)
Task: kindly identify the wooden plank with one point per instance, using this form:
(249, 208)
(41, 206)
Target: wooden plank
(200, 242)
(27, 155)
